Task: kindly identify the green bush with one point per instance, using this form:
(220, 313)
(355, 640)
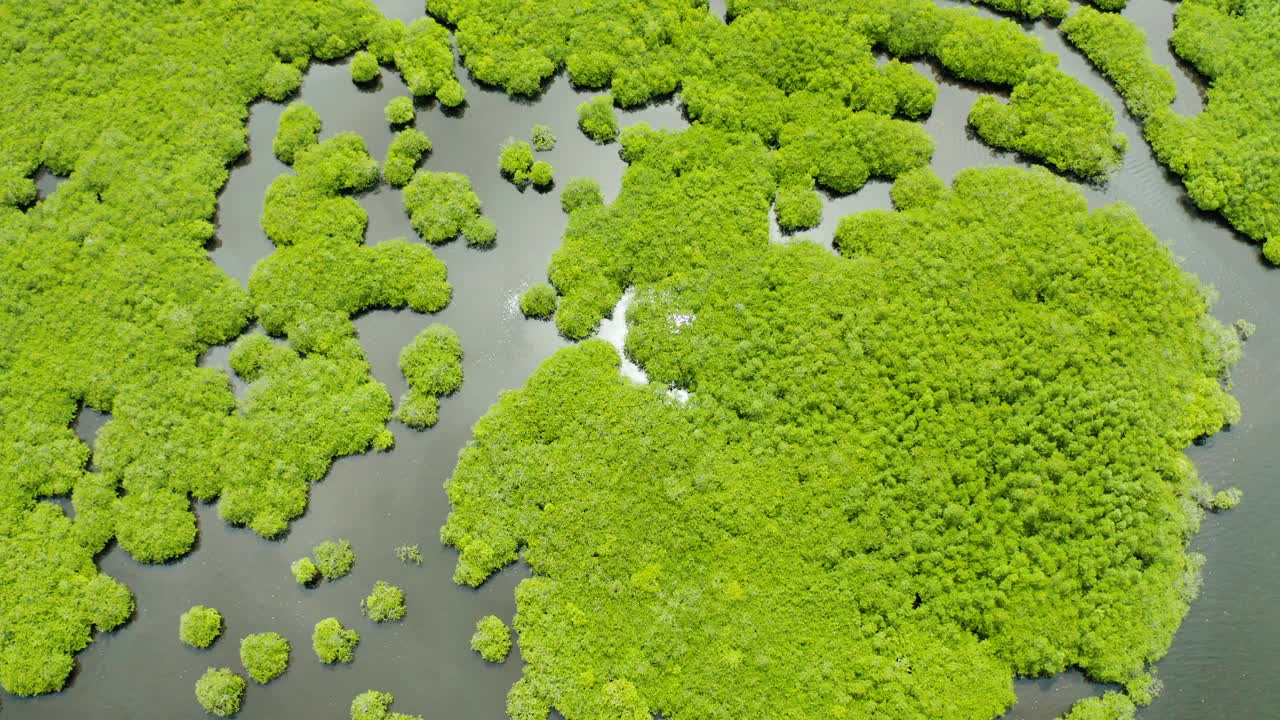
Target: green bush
(492, 639)
(281, 81)
(373, 705)
(597, 120)
(1110, 706)
(424, 55)
(581, 192)
(541, 174)
(364, 67)
(334, 643)
(399, 111)
(798, 207)
(539, 301)
(334, 558)
(385, 603)
(304, 571)
(299, 128)
(515, 160)
(432, 362)
(480, 232)
(440, 205)
(1119, 49)
(403, 155)
(220, 691)
(265, 656)
(451, 94)
(200, 626)
(542, 137)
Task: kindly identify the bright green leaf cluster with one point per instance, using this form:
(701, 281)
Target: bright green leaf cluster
(1033, 9)
(304, 571)
(399, 111)
(597, 120)
(334, 558)
(299, 128)
(403, 155)
(798, 207)
(265, 656)
(374, 705)
(200, 626)
(220, 691)
(384, 604)
(432, 365)
(492, 639)
(334, 643)
(515, 160)
(539, 301)
(1110, 706)
(542, 137)
(1119, 49)
(440, 205)
(364, 67)
(581, 192)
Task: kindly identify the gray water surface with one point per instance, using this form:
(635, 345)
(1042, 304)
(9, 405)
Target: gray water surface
(1223, 656)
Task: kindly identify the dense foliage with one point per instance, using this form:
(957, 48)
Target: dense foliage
(1032, 9)
(597, 120)
(334, 558)
(107, 295)
(1110, 706)
(374, 705)
(539, 301)
(399, 111)
(364, 67)
(515, 161)
(1053, 116)
(541, 174)
(334, 643)
(581, 192)
(299, 128)
(1119, 49)
(407, 149)
(441, 205)
(432, 365)
(385, 603)
(220, 691)
(492, 639)
(200, 626)
(265, 656)
(304, 571)
(902, 476)
(799, 207)
(542, 137)
(1227, 155)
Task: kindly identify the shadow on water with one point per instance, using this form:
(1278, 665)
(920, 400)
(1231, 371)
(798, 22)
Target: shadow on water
(1230, 639)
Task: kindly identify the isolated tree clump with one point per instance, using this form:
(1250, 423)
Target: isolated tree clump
(403, 155)
(334, 643)
(432, 365)
(200, 626)
(440, 204)
(385, 603)
(515, 161)
(541, 174)
(299, 128)
(334, 558)
(539, 301)
(597, 120)
(304, 571)
(265, 656)
(399, 111)
(364, 67)
(798, 207)
(220, 691)
(374, 705)
(542, 137)
(492, 639)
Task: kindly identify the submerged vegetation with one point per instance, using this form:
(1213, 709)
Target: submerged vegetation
(200, 626)
(409, 554)
(265, 656)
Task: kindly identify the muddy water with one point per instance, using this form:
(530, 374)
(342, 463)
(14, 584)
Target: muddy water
(1221, 655)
